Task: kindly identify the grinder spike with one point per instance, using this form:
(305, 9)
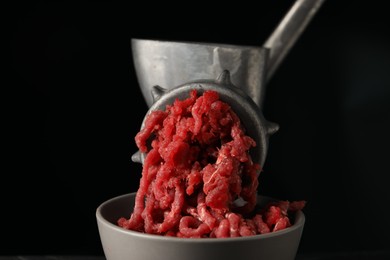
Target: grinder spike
(137, 157)
(157, 92)
(224, 78)
(272, 128)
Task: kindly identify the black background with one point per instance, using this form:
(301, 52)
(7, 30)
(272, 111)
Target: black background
(73, 107)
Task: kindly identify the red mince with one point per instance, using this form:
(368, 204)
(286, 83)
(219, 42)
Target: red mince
(197, 164)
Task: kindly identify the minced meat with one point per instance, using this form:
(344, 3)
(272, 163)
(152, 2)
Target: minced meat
(197, 165)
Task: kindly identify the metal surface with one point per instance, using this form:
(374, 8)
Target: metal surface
(169, 64)
(253, 120)
(167, 70)
(288, 31)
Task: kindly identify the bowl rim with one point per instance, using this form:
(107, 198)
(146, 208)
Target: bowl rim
(298, 224)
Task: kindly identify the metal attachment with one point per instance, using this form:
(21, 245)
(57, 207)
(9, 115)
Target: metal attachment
(169, 70)
(253, 120)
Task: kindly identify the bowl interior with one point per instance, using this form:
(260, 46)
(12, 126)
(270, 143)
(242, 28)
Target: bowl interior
(121, 206)
(120, 244)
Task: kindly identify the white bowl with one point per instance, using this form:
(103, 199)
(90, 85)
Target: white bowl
(121, 244)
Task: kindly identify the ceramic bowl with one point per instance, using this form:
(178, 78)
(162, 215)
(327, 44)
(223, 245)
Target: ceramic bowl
(122, 244)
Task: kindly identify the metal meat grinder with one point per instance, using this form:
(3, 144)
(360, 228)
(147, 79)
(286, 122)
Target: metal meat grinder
(168, 70)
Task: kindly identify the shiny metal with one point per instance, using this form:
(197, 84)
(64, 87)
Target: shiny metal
(169, 64)
(167, 70)
(247, 110)
(288, 31)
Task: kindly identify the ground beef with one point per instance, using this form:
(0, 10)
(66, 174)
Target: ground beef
(197, 165)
